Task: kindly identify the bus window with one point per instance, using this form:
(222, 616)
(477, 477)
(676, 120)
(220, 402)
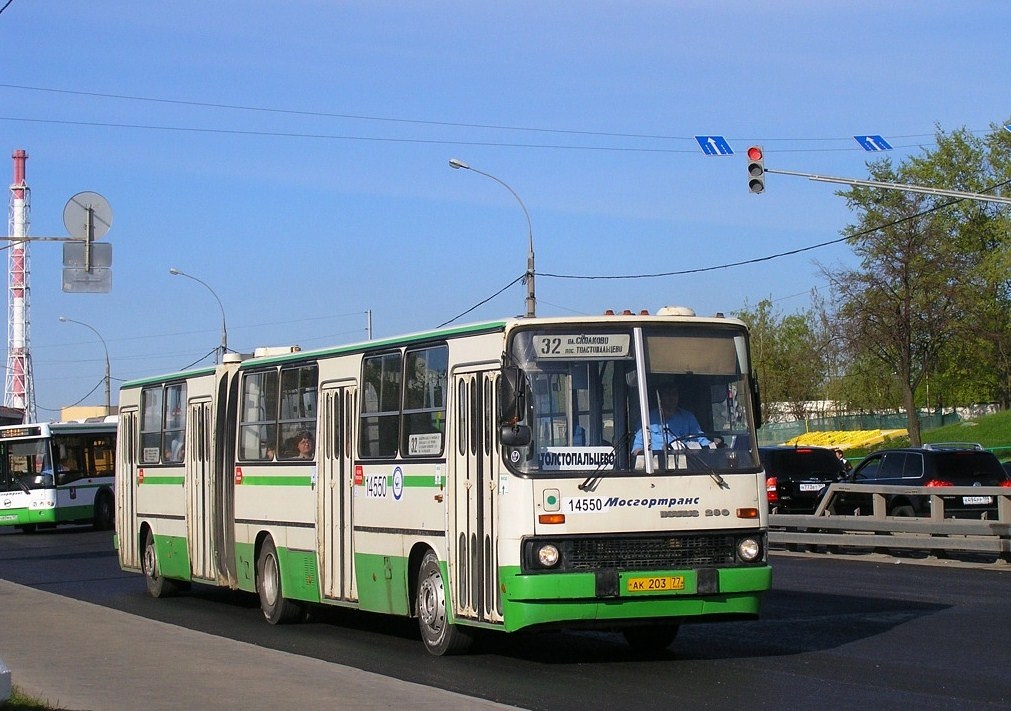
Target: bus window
(425, 401)
(258, 419)
(380, 417)
(297, 417)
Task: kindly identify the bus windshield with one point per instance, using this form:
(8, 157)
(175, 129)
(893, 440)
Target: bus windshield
(589, 392)
(26, 464)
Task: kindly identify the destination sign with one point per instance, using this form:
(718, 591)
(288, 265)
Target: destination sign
(583, 345)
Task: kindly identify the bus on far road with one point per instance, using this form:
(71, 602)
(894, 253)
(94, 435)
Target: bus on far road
(54, 473)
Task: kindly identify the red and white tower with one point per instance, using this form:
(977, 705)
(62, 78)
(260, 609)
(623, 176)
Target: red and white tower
(20, 391)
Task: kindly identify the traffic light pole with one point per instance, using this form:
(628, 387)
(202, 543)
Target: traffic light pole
(895, 186)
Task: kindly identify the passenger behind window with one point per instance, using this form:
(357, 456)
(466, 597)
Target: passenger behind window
(301, 446)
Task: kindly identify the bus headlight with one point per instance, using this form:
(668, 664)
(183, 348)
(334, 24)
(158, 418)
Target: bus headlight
(749, 549)
(547, 555)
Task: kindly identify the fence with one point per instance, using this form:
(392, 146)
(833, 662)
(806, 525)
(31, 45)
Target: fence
(778, 432)
(876, 530)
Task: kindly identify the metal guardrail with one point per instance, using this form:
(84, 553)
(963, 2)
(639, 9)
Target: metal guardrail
(876, 530)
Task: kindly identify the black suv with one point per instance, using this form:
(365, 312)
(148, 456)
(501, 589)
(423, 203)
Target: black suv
(796, 476)
(933, 465)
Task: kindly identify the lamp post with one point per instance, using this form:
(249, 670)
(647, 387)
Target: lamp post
(224, 328)
(108, 378)
(531, 299)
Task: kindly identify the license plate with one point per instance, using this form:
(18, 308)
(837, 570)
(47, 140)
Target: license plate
(660, 583)
(968, 500)
(812, 487)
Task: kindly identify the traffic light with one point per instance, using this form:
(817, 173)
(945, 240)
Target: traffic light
(756, 169)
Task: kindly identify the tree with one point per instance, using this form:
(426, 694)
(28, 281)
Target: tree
(789, 356)
(928, 283)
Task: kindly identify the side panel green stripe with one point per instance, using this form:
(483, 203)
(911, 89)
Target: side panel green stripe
(276, 481)
(156, 480)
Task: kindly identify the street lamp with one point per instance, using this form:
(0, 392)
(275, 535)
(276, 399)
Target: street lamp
(224, 329)
(531, 300)
(108, 393)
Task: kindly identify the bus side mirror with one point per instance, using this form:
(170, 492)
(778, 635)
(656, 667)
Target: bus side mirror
(756, 399)
(512, 396)
(515, 435)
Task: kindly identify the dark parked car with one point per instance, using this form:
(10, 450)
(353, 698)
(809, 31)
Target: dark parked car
(933, 465)
(796, 476)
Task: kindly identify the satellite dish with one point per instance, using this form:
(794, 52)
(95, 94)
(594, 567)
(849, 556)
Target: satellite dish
(87, 216)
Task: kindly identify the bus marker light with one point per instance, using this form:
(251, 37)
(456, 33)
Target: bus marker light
(747, 513)
(238, 475)
(551, 518)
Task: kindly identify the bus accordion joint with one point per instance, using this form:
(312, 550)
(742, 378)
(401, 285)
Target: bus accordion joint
(749, 513)
(551, 518)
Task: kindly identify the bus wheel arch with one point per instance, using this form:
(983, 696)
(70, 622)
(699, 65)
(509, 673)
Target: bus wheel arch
(276, 608)
(432, 608)
(105, 510)
(157, 584)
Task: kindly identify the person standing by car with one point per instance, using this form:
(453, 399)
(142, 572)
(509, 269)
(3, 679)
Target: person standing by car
(844, 465)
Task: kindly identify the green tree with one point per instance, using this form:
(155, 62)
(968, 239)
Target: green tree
(789, 354)
(929, 290)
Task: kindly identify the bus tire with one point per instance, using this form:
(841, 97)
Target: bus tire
(437, 632)
(650, 640)
(276, 609)
(157, 584)
(105, 511)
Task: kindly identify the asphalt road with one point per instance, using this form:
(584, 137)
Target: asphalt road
(835, 633)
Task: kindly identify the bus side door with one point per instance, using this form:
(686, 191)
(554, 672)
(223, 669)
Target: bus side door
(200, 514)
(126, 490)
(334, 524)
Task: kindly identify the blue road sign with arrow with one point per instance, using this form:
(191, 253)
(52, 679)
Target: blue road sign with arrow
(715, 145)
(873, 143)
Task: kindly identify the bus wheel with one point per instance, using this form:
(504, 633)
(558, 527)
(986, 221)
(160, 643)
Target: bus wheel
(650, 640)
(157, 584)
(275, 607)
(104, 512)
(439, 635)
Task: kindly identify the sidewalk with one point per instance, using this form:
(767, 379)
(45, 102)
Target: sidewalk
(86, 657)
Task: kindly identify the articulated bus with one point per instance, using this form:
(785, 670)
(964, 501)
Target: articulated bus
(480, 477)
(58, 472)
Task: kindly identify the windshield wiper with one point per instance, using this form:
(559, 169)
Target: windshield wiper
(592, 482)
(693, 455)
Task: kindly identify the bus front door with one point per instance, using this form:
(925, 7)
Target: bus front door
(474, 542)
(334, 511)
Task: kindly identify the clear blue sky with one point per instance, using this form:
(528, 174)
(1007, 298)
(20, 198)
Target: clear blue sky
(294, 155)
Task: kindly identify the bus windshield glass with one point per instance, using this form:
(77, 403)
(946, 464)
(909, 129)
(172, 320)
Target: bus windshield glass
(26, 463)
(589, 391)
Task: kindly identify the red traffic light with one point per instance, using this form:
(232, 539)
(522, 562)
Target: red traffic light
(756, 169)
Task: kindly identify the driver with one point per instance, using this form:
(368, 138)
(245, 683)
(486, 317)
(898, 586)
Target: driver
(678, 423)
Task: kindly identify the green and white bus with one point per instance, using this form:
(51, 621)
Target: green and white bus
(53, 473)
(477, 477)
